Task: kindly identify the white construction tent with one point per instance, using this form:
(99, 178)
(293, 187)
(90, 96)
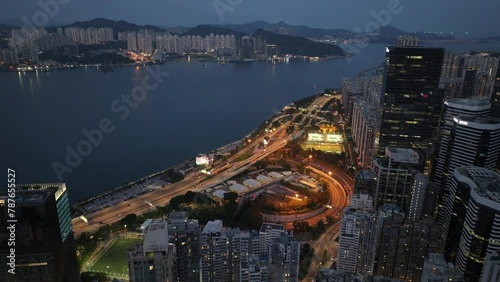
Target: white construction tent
(238, 188)
(219, 193)
(252, 183)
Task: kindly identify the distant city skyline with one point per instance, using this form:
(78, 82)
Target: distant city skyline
(478, 18)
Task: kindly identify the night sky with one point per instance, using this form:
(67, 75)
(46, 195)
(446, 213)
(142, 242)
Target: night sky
(479, 17)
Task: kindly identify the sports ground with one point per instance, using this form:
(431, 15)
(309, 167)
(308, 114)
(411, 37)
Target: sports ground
(115, 258)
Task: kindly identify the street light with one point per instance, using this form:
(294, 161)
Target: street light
(330, 173)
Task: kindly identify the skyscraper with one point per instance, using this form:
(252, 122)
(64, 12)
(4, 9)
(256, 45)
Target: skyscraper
(395, 176)
(474, 141)
(411, 99)
(474, 219)
(45, 246)
(477, 106)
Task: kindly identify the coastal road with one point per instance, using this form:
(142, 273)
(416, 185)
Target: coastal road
(193, 182)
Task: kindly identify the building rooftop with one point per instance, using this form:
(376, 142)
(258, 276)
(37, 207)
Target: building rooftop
(402, 155)
(214, 226)
(437, 267)
(238, 188)
(156, 236)
(146, 223)
(366, 174)
(274, 174)
(265, 227)
(178, 216)
(251, 183)
(391, 209)
(157, 224)
(474, 103)
(486, 182)
(479, 122)
(37, 193)
(219, 193)
(263, 178)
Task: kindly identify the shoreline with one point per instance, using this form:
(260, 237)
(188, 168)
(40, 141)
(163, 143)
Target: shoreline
(79, 206)
(201, 59)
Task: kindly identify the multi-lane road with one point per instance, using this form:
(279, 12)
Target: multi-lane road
(193, 182)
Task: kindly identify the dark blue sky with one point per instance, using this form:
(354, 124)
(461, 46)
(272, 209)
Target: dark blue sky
(479, 17)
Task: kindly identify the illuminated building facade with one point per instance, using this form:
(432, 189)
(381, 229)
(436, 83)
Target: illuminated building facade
(45, 246)
(474, 141)
(411, 101)
(474, 228)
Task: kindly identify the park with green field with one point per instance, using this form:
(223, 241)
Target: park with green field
(115, 258)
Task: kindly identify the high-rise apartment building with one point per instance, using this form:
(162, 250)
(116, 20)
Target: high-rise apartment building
(469, 74)
(284, 257)
(44, 243)
(132, 41)
(222, 250)
(155, 259)
(358, 236)
(184, 234)
(229, 254)
(267, 233)
(365, 131)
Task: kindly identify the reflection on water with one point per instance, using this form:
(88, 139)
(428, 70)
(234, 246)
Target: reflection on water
(196, 109)
(20, 80)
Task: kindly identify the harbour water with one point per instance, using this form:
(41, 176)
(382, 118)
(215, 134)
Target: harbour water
(195, 109)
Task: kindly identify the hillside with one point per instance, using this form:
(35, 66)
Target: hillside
(299, 46)
(301, 31)
(389, 35)
(205, 30)
(117, 26)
